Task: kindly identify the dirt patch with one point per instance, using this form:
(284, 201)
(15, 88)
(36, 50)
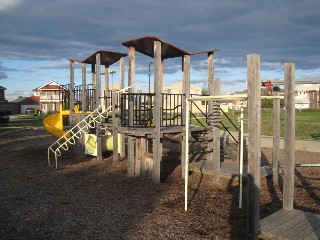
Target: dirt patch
(90, 199)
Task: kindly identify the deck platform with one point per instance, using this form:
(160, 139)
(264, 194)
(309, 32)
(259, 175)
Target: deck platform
(227, 170)
(290, 224)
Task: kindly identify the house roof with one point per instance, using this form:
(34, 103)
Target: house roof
(52, 85)
(106, 57)
(145, 45)
(307, 87)
(33, 100)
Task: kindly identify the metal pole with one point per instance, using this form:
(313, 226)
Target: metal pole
(186, 169)
(241, 156)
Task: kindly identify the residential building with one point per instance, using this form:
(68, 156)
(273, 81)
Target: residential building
(49, 96)
(307, 96)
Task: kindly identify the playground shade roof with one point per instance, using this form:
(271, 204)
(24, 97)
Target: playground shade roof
(106, 57)
(145, 45)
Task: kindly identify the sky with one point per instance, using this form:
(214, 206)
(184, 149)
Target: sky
(38, 36)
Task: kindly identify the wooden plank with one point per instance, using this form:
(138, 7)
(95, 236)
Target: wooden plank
(315, 235)
(98, 103)
(216, 132)
(157, 155)
(106, 101)
(122, 69)
(186, 90)
(98, 80)
(292, 223)
(254, 143)
(276, 135)
(310, 232)
(84, 84)
(273, 217)
(143, 167)
(279, 221)
(295, 230)
(130, 156)
(289, 163)
(115, 123)
(71, 103)
(210, 135)
(137, 158)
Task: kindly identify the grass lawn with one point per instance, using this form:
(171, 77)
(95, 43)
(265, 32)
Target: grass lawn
(22, 122)
(307, 123)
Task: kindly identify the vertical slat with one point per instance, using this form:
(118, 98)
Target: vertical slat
(98, 103)
(122, 71)
(157, 154)
(216, 132)
(131, 82)
(71, 92)
(211, 134)
(98, 80)
(115, 125)
(276, 133)
(131, 156)
(254, 144)
(84, 90)
(289, 163)
(106, 87)
(186, 91)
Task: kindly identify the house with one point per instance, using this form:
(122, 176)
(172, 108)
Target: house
(30, 102)
(307, 96)
(49, 96)
(6, 107)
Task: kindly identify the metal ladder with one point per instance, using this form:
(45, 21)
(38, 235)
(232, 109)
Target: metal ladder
(70, 137)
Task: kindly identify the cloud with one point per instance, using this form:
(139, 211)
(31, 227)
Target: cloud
(7, 4)
(3, 75)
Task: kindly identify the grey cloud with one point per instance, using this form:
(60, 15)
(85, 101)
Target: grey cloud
(62, 29)
(3, 75)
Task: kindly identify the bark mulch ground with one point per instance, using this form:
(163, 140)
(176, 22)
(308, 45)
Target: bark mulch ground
(90, 199)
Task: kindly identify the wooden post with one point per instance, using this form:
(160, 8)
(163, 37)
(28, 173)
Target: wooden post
(106, 101)
(186, 90)
(122, 69)
(131, 82)
(98, 80)
(98, 103)
(71, 93)
(157, 154)
(114, 127)
(254, 144)
(92, 105)
(290, 118)
(276, 133)
(216, 133)
(84, 85)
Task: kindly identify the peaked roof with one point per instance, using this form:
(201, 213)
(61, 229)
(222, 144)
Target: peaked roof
(145, 45)
(33, 100)
(106, 57)
(52, 85)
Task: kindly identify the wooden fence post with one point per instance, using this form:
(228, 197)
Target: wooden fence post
(290, 118)
(276, 133)
(254, 144)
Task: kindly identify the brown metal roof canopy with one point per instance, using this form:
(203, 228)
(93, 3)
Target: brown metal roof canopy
(145, 45)
(106, 57)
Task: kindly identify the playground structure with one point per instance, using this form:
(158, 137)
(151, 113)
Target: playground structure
(287, 223)
(140, 122)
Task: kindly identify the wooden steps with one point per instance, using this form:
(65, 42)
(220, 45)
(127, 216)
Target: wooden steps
(228, 169)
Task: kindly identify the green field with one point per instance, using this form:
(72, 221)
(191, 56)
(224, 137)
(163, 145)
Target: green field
(307, 123)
